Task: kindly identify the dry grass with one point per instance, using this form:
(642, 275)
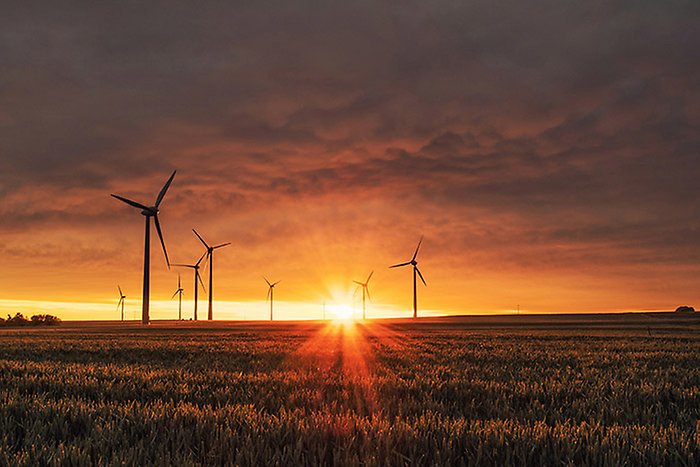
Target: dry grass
(438, 392)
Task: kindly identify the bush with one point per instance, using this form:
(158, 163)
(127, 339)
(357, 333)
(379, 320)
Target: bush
(17, 320)
(46, 320)
(37, 320)
(685, 309)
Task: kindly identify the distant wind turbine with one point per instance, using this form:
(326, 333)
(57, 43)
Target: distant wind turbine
(149, 212)
(197, 277)
(271, 293)
(365, 289)
(179, 292)
(210, 257)
(414, 263)
(122, 297)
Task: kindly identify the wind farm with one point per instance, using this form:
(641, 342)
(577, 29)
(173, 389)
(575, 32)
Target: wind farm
(537, 163)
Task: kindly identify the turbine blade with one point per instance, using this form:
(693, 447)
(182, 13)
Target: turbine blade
(200, 281)
(131, 203)
(183, 265)
(358, 282)
(206, 259)
(179, 285)
(162, 242)
(417, 248)
(200, 239)
(165, 189)
(276, 283)
(269, 289)
(399, 265)
(268, 282)
(175, 294)
(367, 289)
(120, 290)
(200, 259)
(222, 245)
(369, 277)
(421, 277)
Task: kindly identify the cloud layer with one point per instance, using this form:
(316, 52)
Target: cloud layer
(548, 150)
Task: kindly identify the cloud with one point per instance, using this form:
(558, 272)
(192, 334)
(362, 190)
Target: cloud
(554, 133)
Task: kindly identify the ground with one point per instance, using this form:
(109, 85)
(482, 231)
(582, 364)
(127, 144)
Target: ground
(527, 390)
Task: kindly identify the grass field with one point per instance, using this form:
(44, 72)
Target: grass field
(524, 390)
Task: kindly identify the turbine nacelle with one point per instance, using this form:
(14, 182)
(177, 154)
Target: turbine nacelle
(152, 211)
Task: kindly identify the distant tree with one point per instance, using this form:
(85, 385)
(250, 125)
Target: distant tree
(45, 320)
(17, 320)
(685, 309)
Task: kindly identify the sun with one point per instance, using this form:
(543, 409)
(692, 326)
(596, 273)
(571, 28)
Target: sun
(341, 311)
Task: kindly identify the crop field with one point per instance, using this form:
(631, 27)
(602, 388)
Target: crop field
(522, 390)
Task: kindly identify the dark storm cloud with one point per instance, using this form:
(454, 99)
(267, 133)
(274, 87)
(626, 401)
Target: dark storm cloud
(580, 114)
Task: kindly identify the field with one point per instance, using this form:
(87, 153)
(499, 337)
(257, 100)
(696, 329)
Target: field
(524, 390)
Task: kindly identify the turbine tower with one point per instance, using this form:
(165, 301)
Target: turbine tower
(365, 289)
(179, 292)
(210, 258)
(414, 263)
(122, 297)
(271, 293)
(197, 277)
(148, 212)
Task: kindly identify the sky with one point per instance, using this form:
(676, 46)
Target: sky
(548, 152)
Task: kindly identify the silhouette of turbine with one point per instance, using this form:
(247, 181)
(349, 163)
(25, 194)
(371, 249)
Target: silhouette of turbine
(197, 277)
(365, 289)
(122, 297)
(271, 293)
(179, 292)
(210, 258)
(149, 212)
(414, 263)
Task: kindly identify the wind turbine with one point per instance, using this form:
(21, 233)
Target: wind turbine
(149, 212)
(271, 293)
(210, 257)
(179, 292)
(365, 289)
(197, 277)
(122, 297)
(414, 263)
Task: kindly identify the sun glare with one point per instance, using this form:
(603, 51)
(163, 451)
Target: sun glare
(341, 312)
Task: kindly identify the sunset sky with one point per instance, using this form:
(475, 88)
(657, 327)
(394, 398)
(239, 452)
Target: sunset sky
(549, 152)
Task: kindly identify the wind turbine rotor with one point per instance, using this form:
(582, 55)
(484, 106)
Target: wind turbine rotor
(421, 276)
(206, 245)
(164, 189)
(131, 203)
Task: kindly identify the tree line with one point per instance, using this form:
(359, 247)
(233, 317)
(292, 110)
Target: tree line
(36, 320)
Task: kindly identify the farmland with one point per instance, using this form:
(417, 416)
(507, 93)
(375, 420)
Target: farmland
(526, 390)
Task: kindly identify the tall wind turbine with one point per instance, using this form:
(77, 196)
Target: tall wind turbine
(210, 257)
(197, 277)
(149, 212)
(179, 292)
(414, 263)
(122, 297)
(271, 293)
(365, 289)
